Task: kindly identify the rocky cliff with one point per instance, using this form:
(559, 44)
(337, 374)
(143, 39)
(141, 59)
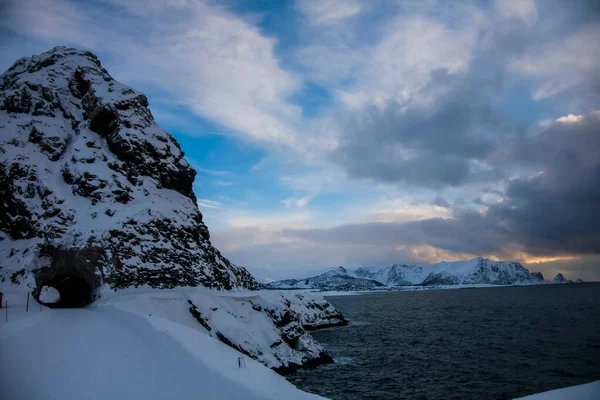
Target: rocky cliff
(92, 190)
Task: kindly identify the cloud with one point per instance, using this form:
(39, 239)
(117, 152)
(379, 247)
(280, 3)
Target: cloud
(566, 64)
(294, 202)
(205, 203)
(556, 210)
(315, 180)
(550, 214)
(223, 183)
(429, 145)
(328, 12)
(525, 10)
(548, 219)
(400, 209)
(397, 64)
(208, 171)
(570, 118)
(440, 202)
(204, 57)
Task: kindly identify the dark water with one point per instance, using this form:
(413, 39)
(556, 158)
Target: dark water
(490, 343)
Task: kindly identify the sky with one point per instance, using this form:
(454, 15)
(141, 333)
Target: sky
(363, 133)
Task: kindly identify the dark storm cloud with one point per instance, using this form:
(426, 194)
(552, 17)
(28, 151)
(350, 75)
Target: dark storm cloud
(428, 145)
(441, 144)
(440, 202)
(554, 212)
(436, 144)
(557, 209)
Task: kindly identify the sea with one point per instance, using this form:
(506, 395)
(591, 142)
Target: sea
(475, 343)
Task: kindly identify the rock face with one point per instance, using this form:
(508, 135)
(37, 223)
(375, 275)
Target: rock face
(268, 326)
(335, 279)
(86, 171)
(559, 278)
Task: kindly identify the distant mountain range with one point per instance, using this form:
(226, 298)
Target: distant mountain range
(336, 279)
(478, 271)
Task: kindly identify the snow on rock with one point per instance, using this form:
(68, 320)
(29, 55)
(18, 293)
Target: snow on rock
(478, 271)
(93, 189)
(267, 326)
(335, 279)
(472, 272)
(131, 346)
(588, 391)
(48, 294)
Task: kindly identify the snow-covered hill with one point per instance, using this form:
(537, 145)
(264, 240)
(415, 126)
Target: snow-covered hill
(478, 271)
(87, 178)
(135, 345)
(335, 279)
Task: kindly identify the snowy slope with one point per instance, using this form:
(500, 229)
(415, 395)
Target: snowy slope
(267, 326)
(335, 279)
(83, 165)
(119, 350)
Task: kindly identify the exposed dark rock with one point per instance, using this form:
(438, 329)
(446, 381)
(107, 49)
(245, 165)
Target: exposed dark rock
(196, 314)
(15, 217)
(314, 362)
(537, 276)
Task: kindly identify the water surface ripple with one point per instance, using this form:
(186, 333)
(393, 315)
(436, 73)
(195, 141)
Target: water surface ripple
(484, 343)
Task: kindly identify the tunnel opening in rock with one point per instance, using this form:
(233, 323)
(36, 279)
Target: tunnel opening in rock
(74, 291)
(74, 273)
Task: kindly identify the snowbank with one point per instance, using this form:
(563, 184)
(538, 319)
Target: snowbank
(116, 349)
(589, 391)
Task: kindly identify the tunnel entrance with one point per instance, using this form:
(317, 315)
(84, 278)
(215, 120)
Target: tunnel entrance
(74, 292)
(75, 273)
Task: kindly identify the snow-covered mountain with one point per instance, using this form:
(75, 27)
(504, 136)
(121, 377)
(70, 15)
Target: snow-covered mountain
(87, 177)
(95, 196)
(476, 271)
(394, 275)
(472, 272)
(335, 279)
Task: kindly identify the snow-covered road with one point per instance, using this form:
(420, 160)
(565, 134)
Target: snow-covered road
(103, 352)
